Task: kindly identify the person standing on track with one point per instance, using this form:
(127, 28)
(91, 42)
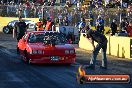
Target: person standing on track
(20, 28)
(94, 35)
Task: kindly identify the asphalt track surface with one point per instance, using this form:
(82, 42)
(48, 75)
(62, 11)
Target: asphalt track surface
(14, 73)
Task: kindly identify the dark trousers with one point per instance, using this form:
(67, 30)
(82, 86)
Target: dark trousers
(19, 37)
(113, 32)
(95, 52)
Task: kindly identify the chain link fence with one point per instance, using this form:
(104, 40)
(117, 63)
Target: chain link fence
(73, 14)
(28, 12)
(35, 11)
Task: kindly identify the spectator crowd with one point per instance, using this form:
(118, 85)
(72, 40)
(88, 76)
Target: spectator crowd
(73, 13)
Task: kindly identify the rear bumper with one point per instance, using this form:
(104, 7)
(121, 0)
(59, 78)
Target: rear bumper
(47, 60)
(52, 62)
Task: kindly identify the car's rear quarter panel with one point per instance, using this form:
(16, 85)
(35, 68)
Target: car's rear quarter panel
(53, 51)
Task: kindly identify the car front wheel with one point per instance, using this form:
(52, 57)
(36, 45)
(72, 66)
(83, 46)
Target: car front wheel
(6, 30)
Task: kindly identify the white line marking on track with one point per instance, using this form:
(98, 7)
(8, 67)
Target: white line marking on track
(8, 52)
(13, 77)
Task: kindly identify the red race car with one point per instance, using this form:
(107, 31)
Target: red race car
(46, 47)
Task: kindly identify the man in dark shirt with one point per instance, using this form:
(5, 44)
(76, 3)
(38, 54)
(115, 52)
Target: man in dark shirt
(113, 27)
(20, 28)
(93, 35)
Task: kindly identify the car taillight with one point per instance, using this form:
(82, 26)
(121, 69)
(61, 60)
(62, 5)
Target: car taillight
(40, 52)
(34, 52)
(37, 52)
(66, 51)
(71, 51)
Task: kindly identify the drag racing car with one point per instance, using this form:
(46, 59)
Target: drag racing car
(46, 47)
(9, 28)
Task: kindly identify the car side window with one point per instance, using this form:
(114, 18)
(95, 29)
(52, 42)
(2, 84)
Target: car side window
(32, 38)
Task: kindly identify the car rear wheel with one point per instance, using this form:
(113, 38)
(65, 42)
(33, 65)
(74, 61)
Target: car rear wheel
(18, 51)
(68, 64)
(6, 30)
(27, 60)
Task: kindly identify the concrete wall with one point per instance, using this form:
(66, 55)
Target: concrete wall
(116, 46)
(120, 46)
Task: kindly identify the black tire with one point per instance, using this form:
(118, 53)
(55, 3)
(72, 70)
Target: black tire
(6, 30)
(27, 59)
(68, 64)
(18, 51)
